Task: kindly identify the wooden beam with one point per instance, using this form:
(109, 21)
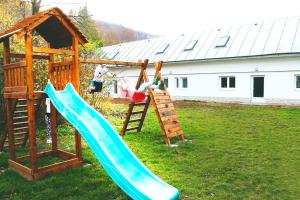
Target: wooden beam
(65, 155)
(9, 128)
(34, 25)
(20, 169)
(22, 89)
(76, 83)
(30, 103)
(43, 171)
(39, 155)
(6, 51)
(54, 51)
(75, 64)
(16, 95)
(111, 62)
(37, 57)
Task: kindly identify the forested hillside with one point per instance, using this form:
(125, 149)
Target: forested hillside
(116, 33)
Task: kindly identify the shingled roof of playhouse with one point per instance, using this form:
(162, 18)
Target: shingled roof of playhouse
(52, 24)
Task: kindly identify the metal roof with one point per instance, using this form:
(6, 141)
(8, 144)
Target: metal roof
(273, 37)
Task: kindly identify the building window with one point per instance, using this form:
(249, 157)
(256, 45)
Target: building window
(227, 82)
(223, 41)
(177, 82)
(184, 82)
(166, 82)
(232, 82)
(181, 82)
(190, 46)
(223, 82)
(162, 49)
(298, 81)
(115, 87)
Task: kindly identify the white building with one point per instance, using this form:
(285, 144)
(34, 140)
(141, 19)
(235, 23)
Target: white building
(253, 63)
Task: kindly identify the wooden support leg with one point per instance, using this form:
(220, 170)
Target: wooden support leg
(9, 124)
(78, 145)
(32, 135)
(182, 137)
(53, 119)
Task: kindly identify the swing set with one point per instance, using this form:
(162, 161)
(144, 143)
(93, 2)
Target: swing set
(137, 109)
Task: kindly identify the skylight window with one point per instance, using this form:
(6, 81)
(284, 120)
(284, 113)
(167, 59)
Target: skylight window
(223, 41)
(190, 45)
(163, 48)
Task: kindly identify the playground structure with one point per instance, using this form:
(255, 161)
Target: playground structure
(21, 101)
(19, 88)
(160, 100)
(162, 103)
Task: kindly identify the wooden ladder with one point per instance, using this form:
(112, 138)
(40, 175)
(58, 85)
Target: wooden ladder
(20, 125)
(135, 116)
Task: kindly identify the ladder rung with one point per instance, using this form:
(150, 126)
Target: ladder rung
(21, 105)
(134, 120)
(17, 138)
(21, 111)
(20, 128)
(20, 138)
(20, 133)
(18, 123)
(16, 144)
(139, 104)
(137, 112)
(133, 128)
(21, 117)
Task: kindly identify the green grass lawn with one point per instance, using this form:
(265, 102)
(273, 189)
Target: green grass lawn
(235, 152)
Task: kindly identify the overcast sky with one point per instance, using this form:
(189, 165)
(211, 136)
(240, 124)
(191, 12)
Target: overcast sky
(168, 17)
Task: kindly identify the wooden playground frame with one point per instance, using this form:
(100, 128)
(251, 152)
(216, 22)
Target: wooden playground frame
(19, 85)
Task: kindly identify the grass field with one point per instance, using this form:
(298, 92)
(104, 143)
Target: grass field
(234, 152)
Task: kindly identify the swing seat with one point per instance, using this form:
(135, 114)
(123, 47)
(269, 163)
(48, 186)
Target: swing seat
(138, 96)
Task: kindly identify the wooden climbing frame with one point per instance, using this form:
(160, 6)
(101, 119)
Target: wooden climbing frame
(20, 99)
(162, 103)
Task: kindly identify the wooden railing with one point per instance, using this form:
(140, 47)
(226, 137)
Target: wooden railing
(15, 74)
(15, 80)
(61, 74)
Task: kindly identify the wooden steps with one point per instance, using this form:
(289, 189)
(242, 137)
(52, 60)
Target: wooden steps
(20, 125)
(165, 112)
(139, 116)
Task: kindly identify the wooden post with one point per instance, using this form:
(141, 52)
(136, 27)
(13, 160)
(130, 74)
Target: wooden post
(30, 103)
(76, 83)
(6, 52)
(53, 112)
(9, 128)
(8, 106)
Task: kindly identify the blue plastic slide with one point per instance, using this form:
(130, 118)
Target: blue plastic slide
(110, 150)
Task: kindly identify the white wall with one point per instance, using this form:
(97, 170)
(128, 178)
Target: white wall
(204, 79)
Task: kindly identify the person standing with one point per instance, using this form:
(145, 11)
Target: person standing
(48, 120)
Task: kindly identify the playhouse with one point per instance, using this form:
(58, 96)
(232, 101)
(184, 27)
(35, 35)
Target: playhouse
(62, 55)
